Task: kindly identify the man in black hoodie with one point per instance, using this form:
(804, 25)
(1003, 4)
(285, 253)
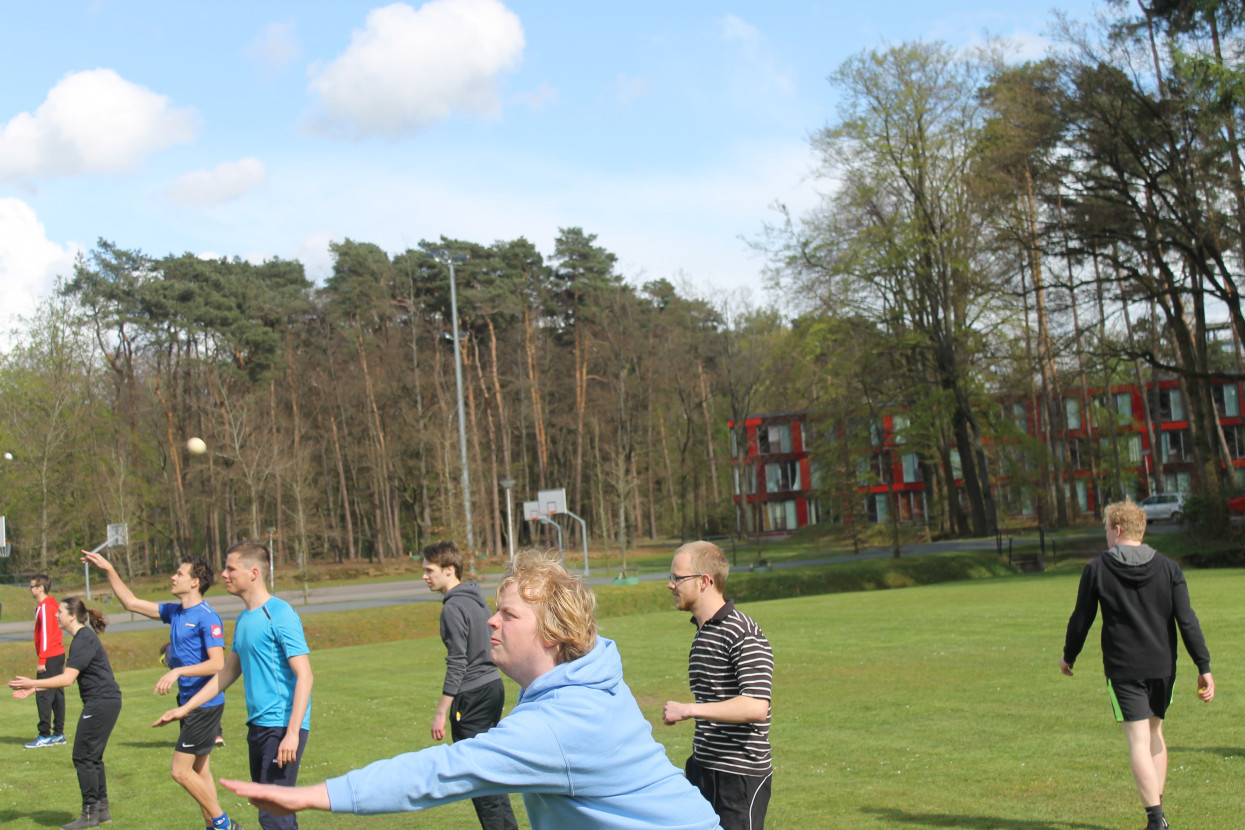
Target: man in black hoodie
(473, 689)
(1144, 599)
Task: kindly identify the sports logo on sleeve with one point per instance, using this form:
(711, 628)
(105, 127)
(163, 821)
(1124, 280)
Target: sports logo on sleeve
(218, 631)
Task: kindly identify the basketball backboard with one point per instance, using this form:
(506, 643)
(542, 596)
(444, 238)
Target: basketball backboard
(551, 501)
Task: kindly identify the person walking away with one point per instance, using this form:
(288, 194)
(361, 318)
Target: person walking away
(1144, 599)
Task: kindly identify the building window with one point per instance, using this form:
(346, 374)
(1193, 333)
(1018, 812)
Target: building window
(899, 428)
(1171, 405)
(878, 508)
(1175, 446)
(957, 464)
(1082, 495)
(1124, 408)
(1072, 412)
(782, 477)
(1133, 447)
(1020, 415)
(774, 439)
(1234, 434)
(911, 468)
(781, 515)
(1227, 400)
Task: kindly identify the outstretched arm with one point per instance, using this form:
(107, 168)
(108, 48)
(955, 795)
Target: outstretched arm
(24, 687)
(281, 801)
(119, 589)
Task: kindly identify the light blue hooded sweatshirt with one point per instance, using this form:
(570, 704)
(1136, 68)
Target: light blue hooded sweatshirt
(576, 747)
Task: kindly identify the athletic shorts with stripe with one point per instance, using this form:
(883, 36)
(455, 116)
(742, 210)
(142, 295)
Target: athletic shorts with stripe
(1133, 700)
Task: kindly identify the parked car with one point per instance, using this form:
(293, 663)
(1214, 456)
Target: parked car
(1236, 503)
(1162, 506)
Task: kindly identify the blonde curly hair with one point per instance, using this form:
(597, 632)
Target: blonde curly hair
(566, 609)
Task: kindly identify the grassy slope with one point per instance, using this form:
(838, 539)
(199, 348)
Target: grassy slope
(937, 706)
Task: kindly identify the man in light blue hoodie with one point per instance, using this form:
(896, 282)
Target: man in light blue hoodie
(575, 746)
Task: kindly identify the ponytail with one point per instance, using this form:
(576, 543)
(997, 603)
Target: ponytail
(84, 615)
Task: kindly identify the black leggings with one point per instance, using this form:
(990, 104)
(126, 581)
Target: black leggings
(94, 727)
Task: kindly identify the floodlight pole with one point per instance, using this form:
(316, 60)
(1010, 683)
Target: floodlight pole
(506, 484)
(583, 531)
(449, 260)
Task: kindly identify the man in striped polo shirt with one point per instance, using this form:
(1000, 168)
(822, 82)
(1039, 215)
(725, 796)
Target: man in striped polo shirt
(731, 670)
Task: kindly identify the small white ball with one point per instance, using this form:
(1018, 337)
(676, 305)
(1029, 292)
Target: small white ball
(196, 446)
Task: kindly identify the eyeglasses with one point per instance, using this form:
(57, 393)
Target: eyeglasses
(675, 579)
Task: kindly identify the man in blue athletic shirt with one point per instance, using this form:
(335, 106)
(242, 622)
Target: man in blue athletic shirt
(196, 652)
(270, 651)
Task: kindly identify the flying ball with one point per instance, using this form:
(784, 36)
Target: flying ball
(196, 446)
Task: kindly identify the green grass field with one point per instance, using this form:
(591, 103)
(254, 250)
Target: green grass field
(927, 707)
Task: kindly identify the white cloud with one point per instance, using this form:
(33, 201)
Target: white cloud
(228, 180)
(540, 97)
(313, 253)
(628, 89)
(407, 69)
(274, 49)
(733, 28)
(91, 122)
(29, 261)
(763, 66)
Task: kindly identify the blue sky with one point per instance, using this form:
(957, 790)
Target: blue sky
(272, 128)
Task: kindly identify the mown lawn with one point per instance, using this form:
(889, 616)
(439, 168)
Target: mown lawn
(927, 707)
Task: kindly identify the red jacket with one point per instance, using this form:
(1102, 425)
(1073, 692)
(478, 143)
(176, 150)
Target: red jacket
(47, 630)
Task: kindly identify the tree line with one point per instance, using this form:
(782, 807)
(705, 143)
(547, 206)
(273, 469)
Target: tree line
(330, 412)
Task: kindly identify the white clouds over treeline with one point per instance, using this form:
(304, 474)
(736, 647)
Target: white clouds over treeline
(407, 69)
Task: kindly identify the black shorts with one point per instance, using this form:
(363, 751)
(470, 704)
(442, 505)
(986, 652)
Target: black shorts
(1133, 700)
(740, 801)
(199, 730)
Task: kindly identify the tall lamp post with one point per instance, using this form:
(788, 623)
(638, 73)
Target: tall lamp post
(506, 484)
(449, 259)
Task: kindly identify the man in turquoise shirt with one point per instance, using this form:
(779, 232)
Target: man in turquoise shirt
(270, 651)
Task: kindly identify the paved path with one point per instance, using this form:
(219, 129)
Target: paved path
(402, 592)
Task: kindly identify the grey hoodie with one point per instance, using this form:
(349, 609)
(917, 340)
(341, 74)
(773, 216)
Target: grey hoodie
(465, 632)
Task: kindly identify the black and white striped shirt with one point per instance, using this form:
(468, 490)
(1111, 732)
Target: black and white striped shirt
(731, 657)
